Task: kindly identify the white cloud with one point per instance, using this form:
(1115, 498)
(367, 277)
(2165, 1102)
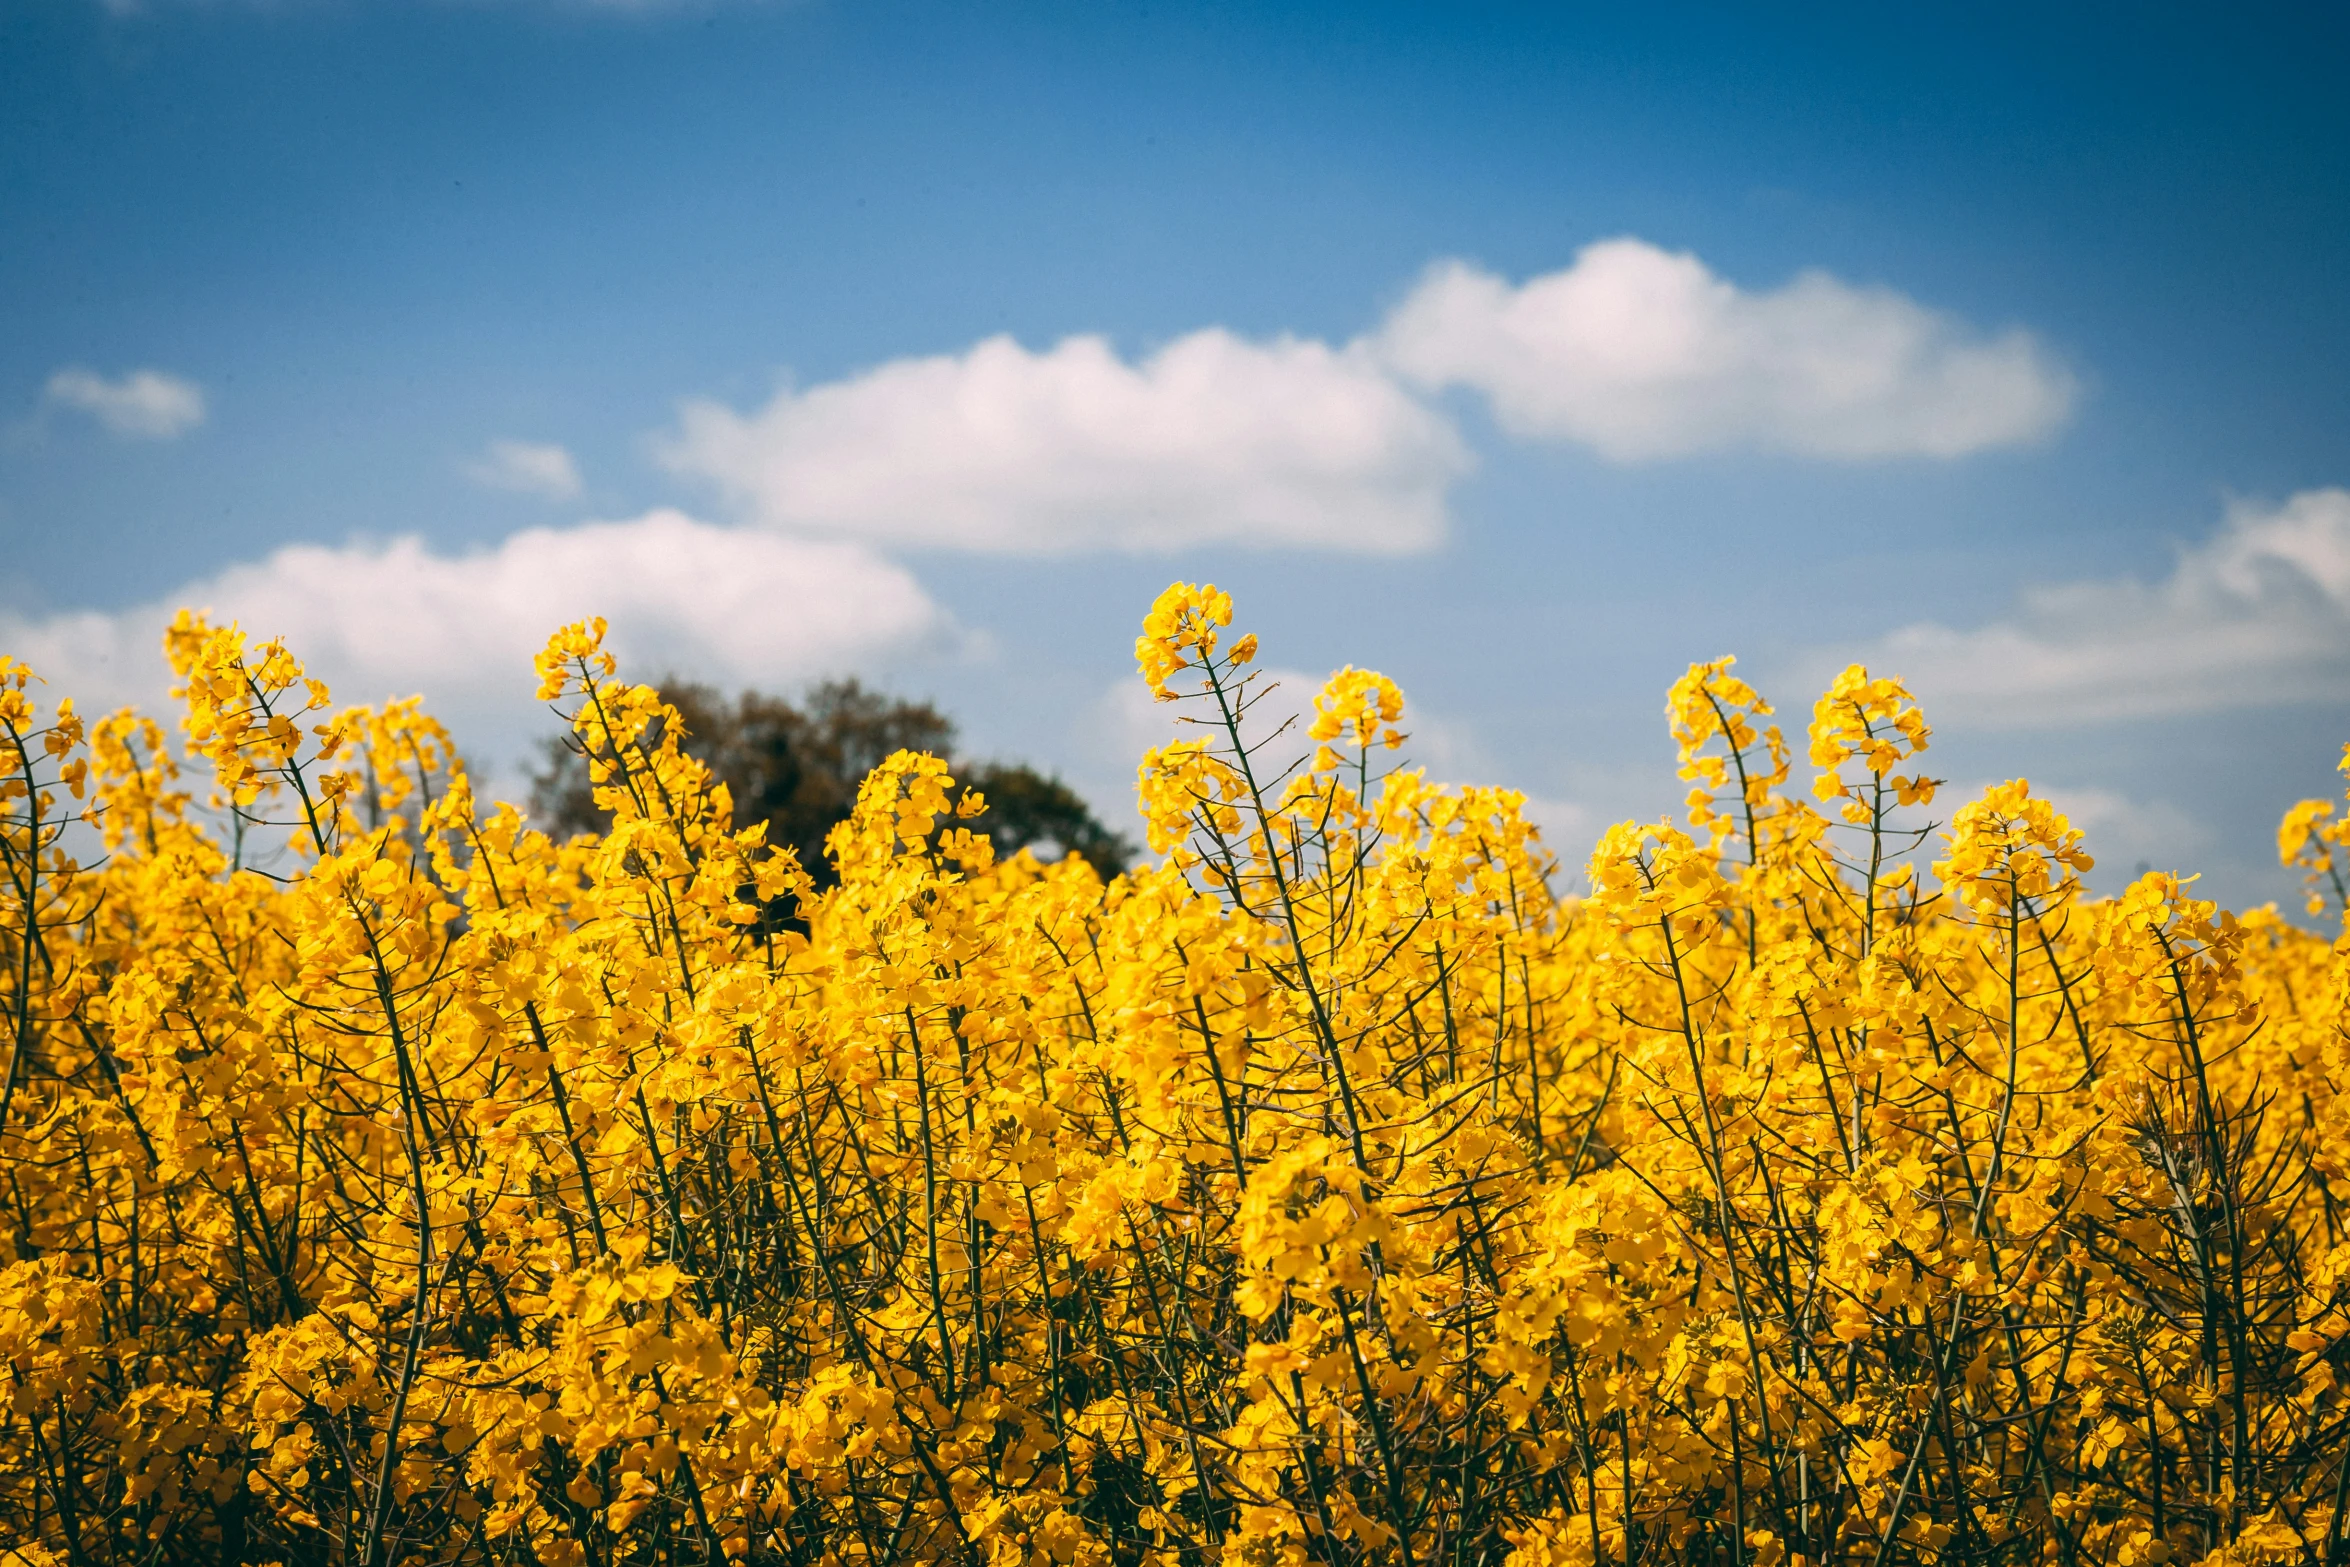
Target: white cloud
(529, 467)
(377, 620)
(2256, 615)
(148, 404)
(1643, 353)
(1638, 352)
(2124, 833)
(1213, 438)
(1569, 828)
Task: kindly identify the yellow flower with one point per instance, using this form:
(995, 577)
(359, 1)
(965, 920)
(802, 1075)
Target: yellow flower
(1180, 633)
(1346, 1185)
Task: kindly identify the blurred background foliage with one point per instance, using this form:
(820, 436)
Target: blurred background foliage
(797, 767)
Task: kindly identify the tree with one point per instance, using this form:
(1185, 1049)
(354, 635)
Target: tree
(798, 768)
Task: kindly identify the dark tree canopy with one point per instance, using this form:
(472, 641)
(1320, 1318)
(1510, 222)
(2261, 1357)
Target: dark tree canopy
(798, 767)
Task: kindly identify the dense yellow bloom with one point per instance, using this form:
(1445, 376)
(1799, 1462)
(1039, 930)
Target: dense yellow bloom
(2313, 838)
(386, 1182)
(2009, 851)
(1181, 632)
(1874, 723)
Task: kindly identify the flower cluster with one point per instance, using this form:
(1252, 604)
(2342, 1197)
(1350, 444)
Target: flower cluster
(2314, 839)
(386, 1182)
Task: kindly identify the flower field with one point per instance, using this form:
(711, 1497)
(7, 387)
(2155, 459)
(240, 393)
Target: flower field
(1835, 1181)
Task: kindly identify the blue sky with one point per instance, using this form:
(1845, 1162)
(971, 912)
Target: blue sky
(317, 309)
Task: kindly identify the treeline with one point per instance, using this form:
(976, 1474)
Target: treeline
(797, 768)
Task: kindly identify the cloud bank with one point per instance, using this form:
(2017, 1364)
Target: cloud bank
(1212, 439)
(2256, 615)
(140, 405)
(378, 620)
(1636, 352)
(1641, 354)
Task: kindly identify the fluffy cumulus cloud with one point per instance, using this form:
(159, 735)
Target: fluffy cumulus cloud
(1642, 353)
(2256, 615)
(141, 404)
(1213, 438)
(377, 620)
(2126, 834)
(1637, 352)
(528, 468)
